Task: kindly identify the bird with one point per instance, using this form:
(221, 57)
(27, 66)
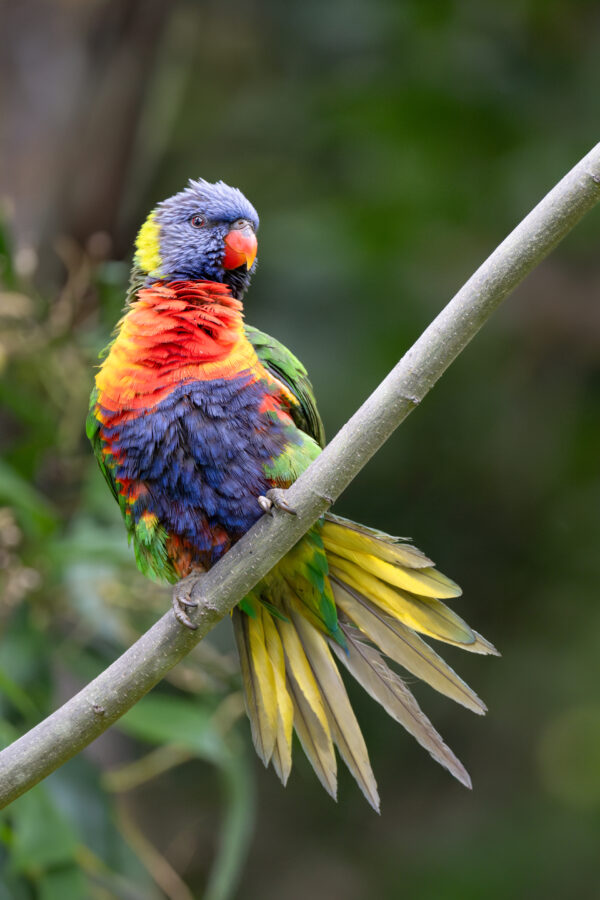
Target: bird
(199, 423)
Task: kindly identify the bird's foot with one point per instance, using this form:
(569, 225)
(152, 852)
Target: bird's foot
(183, 601)
(275, 499)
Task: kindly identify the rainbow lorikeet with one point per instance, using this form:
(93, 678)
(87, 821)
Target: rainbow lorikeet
(194, 419)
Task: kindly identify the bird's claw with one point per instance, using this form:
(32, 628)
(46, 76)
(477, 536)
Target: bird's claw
(182, 600)
(275, 499)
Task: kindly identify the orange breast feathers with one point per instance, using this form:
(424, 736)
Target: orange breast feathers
(174, 334)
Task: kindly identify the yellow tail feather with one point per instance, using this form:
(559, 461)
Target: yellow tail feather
(259, 682)
(370, 670)
(282, 751)
(424, 614)
(316, 743)
(405, 647)
(366, 540)
(426, 582)
(345, 729)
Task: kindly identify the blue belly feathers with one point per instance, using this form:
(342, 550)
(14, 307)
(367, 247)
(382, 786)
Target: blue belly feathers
(200, 453)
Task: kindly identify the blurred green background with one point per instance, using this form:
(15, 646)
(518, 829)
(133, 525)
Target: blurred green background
(389, 146)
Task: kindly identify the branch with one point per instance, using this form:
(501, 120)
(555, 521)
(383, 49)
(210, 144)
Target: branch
(72, 727)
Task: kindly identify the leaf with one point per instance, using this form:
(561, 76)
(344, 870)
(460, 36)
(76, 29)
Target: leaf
(19, 698)
(8, 276)
(34, 511)
(25, 653)
(42, 837)
(162, 719)
(12, 887)
(172, 720)
(66, 883)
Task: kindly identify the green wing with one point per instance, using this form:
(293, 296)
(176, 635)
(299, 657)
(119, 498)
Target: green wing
(284, 366)
(148, 535)
(92, 429)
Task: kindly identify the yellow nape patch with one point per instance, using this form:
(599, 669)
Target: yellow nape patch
(148, 246)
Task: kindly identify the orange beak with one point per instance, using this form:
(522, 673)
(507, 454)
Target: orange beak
(240, 248)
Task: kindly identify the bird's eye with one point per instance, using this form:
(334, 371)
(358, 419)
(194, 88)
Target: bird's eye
(197, 221)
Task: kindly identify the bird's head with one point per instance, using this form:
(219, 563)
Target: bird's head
(207, 231)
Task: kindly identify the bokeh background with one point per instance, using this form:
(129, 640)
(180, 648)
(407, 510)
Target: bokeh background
(389, 146)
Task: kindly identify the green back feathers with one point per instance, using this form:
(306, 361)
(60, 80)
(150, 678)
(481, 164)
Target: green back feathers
(148, 536)
(92, 430)
(284, 366)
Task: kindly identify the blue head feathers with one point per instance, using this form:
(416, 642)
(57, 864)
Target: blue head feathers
(184, 237)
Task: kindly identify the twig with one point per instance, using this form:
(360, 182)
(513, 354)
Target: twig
(154, 862)
(111, 694)
(131, 775)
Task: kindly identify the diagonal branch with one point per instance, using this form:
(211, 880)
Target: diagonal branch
(84, 717)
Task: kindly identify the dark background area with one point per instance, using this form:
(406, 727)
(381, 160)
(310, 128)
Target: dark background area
(389, 147)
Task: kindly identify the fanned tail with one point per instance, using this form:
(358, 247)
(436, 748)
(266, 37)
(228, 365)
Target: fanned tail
(379, 596)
